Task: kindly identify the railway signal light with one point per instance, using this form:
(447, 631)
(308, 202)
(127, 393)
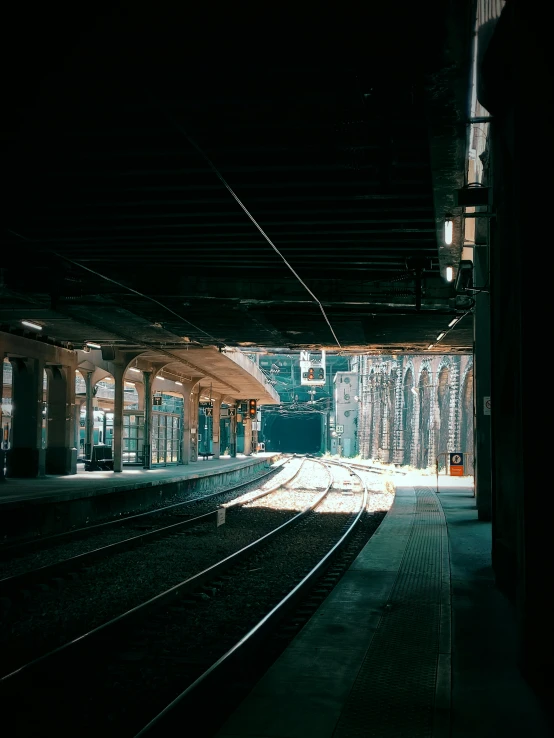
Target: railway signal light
(252, 409)
(311, 373)
(321, 373)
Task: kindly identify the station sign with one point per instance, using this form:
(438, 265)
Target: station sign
(157, 400)
(339, 428)
(457, 464)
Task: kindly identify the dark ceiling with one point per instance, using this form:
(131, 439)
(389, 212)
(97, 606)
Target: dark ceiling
(342, 135)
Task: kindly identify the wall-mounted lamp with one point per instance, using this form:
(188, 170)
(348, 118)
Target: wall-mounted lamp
(453, 322)
(93, 345)
(448, 229)
(441, 335)
(430, 346)
(449, 273)
(35, 326)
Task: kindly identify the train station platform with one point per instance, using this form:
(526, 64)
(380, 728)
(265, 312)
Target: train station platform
(414, 641)
(52, 504)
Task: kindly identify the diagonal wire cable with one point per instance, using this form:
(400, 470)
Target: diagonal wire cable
(251, 217)
(119, 284)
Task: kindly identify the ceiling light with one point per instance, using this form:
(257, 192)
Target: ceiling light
(28, 323)
(452, 322)
(93, 345)
(134, 369)
(449, 274)
(441, 335)
(162, 379)
(430, 346)
(179, 383)
(448, 230)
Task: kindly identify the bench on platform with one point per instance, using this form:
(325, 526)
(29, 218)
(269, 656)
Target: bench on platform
(205, 455)
(101, 459)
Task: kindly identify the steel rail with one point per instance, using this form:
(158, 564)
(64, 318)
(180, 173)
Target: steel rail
(103, 635)
(24, 547)
(190, 699)
(18, 582)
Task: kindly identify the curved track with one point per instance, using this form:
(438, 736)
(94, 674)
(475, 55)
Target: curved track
(13, 586)
(111, 642)
(10, 551)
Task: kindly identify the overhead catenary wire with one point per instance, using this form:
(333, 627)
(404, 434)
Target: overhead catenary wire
(227, 186)
(123, 286)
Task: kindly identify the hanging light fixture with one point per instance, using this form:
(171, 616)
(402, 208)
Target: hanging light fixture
(30, 324)
(448, 229)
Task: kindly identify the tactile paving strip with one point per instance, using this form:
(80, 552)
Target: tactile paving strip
(394, 692)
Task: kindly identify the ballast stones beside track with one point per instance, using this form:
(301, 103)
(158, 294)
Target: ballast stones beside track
(32, 508)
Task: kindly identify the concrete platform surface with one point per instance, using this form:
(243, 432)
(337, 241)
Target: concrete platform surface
(415, 640)
(88, 484)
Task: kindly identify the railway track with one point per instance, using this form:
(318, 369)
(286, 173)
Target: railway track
(15, 588)
(22, 548)
(100, 660)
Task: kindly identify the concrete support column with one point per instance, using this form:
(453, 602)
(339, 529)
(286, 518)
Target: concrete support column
(141, 391)
(117, 448)
(194, 398)
(216, 430)
(2, 452)
(255, 434)
(482, 384)
(76, 425)
(26, 457)
(145, 403)
(89, 417)
(60, 456)
(248, 437)
(185, 438)
(233, 432)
